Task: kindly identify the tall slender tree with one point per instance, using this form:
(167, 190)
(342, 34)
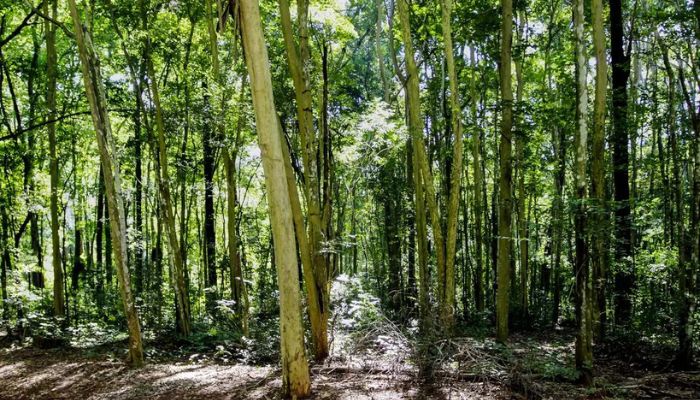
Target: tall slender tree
(51, 73)
(447, 304)
(94, 88)
(620, 62)
(295, 370)
(299, 63)
(182, 302)
(584, 352)
(520, 143)
(506, 177)
(478, 182)
(423, 181)
(598, 216)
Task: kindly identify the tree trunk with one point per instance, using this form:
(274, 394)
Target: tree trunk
(208, 152)
(559, 140)
(99, 232)
(689, 240)
(624, 276)
(424, 182)
(51, 63)
(182, 303)
(478, 187)
(506, 179)
(239, 292)
(182, 167)
(326, 154)
(411, 289)
(29, 159)
(416, 131)
(138, 199)
(520, 143)
(318, 328)
(238, 288)
(295, 370)
(5, 263)
(298, 61)
(380, 53)
(108, 244)
(393, 244)
(96, 97)
(448, 302)
(78, 266)
(599, 254)
(583, 347)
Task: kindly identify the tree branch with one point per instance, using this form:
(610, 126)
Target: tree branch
(59, 24)
(22, 25)
(18, 133)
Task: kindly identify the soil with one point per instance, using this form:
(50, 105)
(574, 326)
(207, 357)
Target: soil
(63, 374)
(375, 366)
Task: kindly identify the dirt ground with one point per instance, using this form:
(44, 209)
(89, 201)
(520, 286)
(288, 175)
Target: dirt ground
(373, 367)
(54, 374)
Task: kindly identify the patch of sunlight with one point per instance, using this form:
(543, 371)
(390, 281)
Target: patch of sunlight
(35, 379)
(68, 380)
(9, 370)
(201, 374)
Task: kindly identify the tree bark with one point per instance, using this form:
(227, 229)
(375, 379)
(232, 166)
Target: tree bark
(29, 158)
(447, 309)
(380, 54)
(415, 127)
(5, 263)
(295, 370)
(298, 62)
(208, 153)
(505, 179)
(624, 276)
(94, 88)
(318, 328)
(51, 63)
(520, 143)
(478, 183)
(138, 198)
(583, 346)
(99, 233)
(411, 290)
(599, 254)
(239, 292)
(688, 239)
(182, 303)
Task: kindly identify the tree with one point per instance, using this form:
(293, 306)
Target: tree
(423, 182)
(298, 62)
(584, 352)
(624, 276)
(51, 67)
(599, 254)
(94, 89)
(239, 292)
(520, 145)
(295, 370)
(478, 181)
(689, 243)
(506, 178)
(182, 302)
(448, 300)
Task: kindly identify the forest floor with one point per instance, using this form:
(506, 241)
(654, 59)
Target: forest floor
(375, 366)
(371, 358)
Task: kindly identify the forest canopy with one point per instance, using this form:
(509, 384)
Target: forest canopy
(448, 183)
